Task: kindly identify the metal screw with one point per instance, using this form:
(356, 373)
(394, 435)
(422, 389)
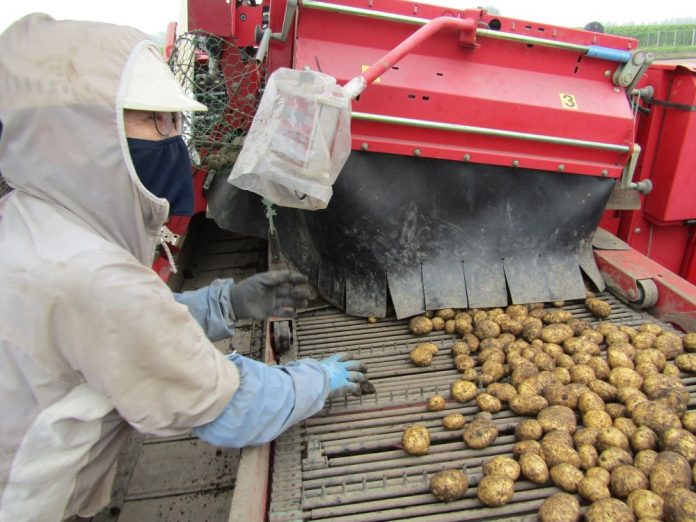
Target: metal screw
(364, 146)
(561, 167)
(605, 172)
(607, 74)
(616, 89)
(626, 78)
(515, 163)
(243, 17)
(416, 152)
(467, 157)
(637, 230)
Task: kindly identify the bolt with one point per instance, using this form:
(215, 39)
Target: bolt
(605, 172)
(626, 79)
(515, 163)
(416, 152)
(561, 167)
(467, 157)
(616, 89)
(637, 230)
(607, 74)
(243, 17)
(364, 145)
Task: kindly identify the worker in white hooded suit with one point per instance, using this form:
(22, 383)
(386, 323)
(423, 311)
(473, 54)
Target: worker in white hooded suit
(92, 342)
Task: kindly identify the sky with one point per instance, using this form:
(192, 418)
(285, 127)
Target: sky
(152, 16)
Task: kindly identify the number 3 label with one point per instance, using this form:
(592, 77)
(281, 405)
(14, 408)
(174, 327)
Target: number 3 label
(568, 101)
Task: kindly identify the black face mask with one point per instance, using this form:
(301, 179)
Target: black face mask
(164, 167)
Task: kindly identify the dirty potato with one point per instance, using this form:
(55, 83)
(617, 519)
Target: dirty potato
(449, 484)
(600, 474)
(436, 403)
(670, 471)
(686, 362)
(555, 452)
(460, 348)
(669, 344)
(529, 429)
(422, 354)
(597, 419)
(557, 418)
(556, 333)
(534, 467)
(689, 342)
(645, 460)
(486, 402)
(528, 404)
(689, 421)
(625, 479)
(464, 362)
(503, 391)
(609, 510)
(566, 476)
(646, 504)
(611, 437)
(420, 325)
(612, 458)
(644, 438)
(625, 378)
(463, 391)
(526, 446)
(655, 416)
(597, 307)
(454, 421)
(593, 489)
(560, 507)
(588, 456)
(494, 490)
(502, 466)
(416, 440)
(481, 432)
(557, 316)
(438, 324)
(586, 436)
(486, 329)
(680, 441)
(680, 505)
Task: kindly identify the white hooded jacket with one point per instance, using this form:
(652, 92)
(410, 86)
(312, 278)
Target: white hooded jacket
(91, 341)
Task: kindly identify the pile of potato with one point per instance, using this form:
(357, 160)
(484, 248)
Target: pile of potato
(608, 419)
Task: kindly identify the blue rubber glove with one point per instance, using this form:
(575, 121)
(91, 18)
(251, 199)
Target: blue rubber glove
(268, 401)
(346, 375)
(211, 308)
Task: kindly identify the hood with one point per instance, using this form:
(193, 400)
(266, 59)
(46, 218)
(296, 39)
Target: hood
(62, 85)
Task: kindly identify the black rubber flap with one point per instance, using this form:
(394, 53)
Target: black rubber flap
(516, 235)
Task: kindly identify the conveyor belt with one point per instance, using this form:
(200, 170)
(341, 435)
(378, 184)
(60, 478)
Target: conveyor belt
(346, 464)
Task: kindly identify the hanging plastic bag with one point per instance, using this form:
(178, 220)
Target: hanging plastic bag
(298, 142)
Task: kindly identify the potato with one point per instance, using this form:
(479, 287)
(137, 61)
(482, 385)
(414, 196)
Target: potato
(422, 354)
(604, 327)
(588, 456)
(612, 438)
(509, 325)
(523, 371)
(487, 402)
(463, 391)
(593, 489)
(652, 328)
(582, 373)
(655, 416)
(453, 421)
(643, 438)
(555, 453)
(594, 336)
(619, 359)
(556, 333)
(597, 419)
(616, 410)
(671, 369)
(600, 474)
(626, 425)
(559, 395)
(449, 484)
(462, 326)
(531, 329)
(590, 401)
(543, 361)
(609, 510)
(611, 458)
(597, 307)
(502, 466)
(490, 353)
(643, 340)
(558, 436)
(445, 313)
(680, 441)
(557, 316)
(481, 432)
(528, 404)
(646, 370)
(450, 326)
(645, 460)
(562, 375)
(438, 324)
(689, 342)
(416, 440)
(420, 325)
(464, 362)
(486, 329)
(472, 341)
(686, 362)
(625, 377)
(586, 436)
(557, 418)
(583, 358)
(565, 361)
(625, 479)
(670, 471)
(494, 370)
(526, 446)
(617, 336)
(566, 476)
(601, 369)
(628, 330)
(460, 348)
(669, 344)
(528, 429)
(436, 403)
(503, 391)
(494, 490)
(653, 356)
(646, 504)
(469, 375)
(516, 311)
(534, 468)
(680, 505)
(689, 421)
(560, 507)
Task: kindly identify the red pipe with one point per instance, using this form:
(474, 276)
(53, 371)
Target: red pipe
(466, 25)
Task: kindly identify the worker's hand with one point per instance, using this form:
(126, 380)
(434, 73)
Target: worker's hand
(346, 375)
(276, 294)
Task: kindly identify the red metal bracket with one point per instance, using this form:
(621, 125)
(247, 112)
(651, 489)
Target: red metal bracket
(646, 284)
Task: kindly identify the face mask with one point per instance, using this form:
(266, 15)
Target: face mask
(164, 167)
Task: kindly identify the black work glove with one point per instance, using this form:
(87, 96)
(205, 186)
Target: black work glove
(276, 293)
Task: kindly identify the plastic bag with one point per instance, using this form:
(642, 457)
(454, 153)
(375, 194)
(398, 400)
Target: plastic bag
(298, 142)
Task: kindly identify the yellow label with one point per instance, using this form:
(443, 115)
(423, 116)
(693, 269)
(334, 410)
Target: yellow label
(365, 68)
(568, 101)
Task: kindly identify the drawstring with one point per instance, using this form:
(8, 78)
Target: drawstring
(166, 238)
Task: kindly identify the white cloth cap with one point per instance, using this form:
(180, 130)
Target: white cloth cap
(153, 87)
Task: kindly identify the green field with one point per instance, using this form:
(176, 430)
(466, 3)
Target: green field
(664, 41)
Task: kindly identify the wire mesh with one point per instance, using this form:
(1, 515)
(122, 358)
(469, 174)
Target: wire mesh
(229, 81)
